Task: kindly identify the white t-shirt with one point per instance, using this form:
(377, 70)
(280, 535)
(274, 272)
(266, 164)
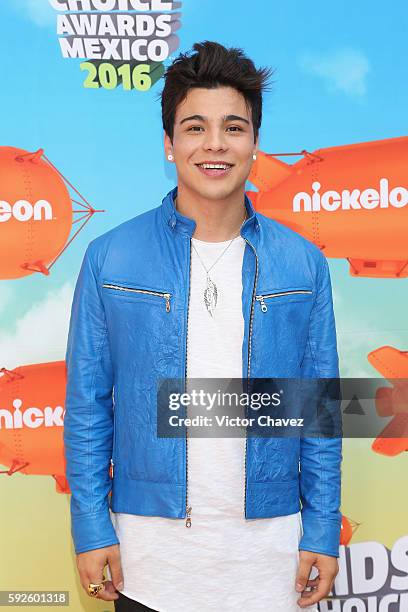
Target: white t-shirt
(223, 561)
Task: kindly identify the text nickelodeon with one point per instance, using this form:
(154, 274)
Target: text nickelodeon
(124, 43)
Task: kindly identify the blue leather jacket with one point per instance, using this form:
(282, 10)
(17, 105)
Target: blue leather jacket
(128, 327)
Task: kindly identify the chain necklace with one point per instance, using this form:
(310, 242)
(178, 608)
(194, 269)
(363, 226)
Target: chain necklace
(211, 291)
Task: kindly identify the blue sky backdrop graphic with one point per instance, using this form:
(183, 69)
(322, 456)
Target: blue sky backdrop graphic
(340, 78)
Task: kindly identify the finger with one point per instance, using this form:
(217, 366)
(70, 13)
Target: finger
(108, 593)
(309, 598)
(303, 573)
(96, 576)
(90, 575)
(313, 582)
(115, 569)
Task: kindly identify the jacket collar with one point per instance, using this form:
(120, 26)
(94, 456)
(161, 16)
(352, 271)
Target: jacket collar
(185, 225)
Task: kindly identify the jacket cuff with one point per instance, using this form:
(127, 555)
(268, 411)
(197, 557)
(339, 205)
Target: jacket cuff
(92, 530)
(320, 535)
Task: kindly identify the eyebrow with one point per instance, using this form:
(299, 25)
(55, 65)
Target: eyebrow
(225, 118)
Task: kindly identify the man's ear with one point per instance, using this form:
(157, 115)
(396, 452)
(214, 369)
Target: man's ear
(256, 145)
(168, 146)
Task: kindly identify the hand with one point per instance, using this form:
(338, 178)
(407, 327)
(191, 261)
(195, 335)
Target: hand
(328, 569)
(91, 565)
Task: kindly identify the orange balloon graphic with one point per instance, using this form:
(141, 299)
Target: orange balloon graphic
(31, 421)
(36, 214)
(348, 527)
(351, 201)
(391, 364)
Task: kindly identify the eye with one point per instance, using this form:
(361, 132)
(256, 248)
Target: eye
(235, 127)
(194, 127)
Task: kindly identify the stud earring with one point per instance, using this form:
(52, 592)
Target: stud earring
(170, 157)
(254, 156)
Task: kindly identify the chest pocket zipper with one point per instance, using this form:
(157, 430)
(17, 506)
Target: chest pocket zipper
(161, 294)
(264, 307)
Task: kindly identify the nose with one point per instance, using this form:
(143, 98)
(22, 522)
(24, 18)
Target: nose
(214, 140)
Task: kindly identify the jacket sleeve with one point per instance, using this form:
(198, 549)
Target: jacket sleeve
(320, 457)
(88, 421)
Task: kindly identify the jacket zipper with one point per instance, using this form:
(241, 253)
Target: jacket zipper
(264, 307)
(249, 359)
(112, 464)
(162, 294)
(188, 508)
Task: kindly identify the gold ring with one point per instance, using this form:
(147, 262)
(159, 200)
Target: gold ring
(94, 589)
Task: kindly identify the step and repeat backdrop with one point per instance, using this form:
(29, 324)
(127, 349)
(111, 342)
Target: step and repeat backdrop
(81, 150)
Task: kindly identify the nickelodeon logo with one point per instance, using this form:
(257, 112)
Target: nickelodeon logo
(350, 200)
(32, 417)
(22, 210)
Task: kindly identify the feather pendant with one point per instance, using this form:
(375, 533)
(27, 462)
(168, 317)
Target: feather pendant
(210, 296)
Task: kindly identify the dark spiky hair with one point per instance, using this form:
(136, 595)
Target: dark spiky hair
(213, 65)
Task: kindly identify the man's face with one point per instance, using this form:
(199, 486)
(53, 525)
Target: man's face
(212, 125)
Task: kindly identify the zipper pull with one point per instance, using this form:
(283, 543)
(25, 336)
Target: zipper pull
(188, 515)
(167, 296)
(264, 307)
(112, 464)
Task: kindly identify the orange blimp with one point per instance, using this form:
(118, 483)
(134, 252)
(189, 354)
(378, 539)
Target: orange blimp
(348, 528)
(351, 201)
(36, 213)
(392, 364)
(31, 421)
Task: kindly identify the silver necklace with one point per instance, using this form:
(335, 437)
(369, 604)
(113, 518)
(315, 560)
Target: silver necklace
(211, 291)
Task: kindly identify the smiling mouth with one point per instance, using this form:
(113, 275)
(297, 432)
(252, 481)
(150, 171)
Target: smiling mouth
(215, 170)
(216, 166)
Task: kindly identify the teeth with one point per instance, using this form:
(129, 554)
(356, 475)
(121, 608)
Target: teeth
(214, 166)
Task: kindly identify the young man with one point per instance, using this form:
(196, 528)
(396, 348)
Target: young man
(171, 293)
